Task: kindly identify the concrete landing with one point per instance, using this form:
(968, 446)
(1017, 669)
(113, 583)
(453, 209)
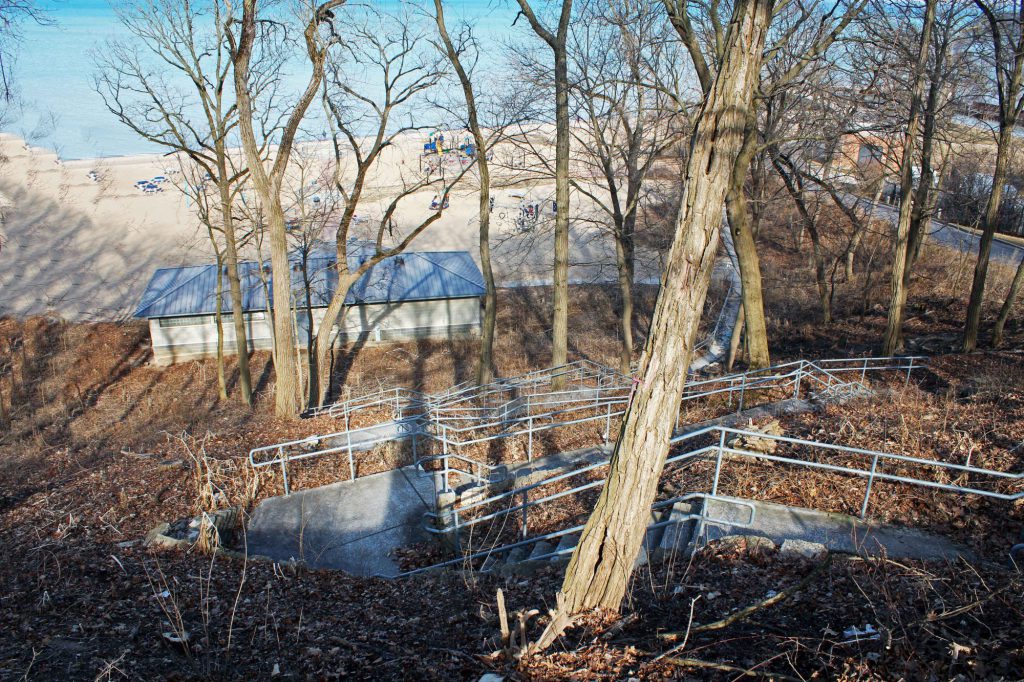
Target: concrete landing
(353, 526)
(837, 532)
(371, 437)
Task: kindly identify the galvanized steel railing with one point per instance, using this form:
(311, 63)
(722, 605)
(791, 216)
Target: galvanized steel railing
(453, 522)
(471, 415)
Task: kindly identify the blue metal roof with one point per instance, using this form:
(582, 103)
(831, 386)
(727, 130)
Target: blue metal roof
(411, 276)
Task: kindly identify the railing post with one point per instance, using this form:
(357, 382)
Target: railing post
(864, 371)
(743, 391)
(608, 424)
(457, 532)
(799, 376)
(351, 462)
(867, 493)
(525, 515)
(284, 469)
(529, 442)
(718, 463)
(910, 366)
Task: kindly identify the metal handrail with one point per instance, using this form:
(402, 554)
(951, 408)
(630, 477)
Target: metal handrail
(576, 529)
(719, 449)
(430, 416)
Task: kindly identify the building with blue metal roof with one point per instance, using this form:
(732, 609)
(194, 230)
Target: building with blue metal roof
(416, 294)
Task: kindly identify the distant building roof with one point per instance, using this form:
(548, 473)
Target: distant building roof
(410, 276)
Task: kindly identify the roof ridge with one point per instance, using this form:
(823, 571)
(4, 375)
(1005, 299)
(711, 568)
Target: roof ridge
(433, 262)
(202, 269)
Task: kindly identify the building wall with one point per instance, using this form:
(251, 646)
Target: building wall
(179, 339)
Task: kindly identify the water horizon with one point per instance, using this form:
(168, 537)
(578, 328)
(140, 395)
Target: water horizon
(58, 108)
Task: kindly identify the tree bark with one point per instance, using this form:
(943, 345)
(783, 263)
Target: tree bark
(892, 342)
(222, 384)
(746, 253)
(600, 568)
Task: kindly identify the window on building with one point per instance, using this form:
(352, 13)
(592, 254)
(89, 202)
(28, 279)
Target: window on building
(869, 153)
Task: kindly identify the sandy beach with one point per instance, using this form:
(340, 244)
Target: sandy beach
(83, 248)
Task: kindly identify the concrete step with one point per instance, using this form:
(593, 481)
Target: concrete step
(492, 562)
(566, 542)
(652, 538)
(677, 537)
(539, 550)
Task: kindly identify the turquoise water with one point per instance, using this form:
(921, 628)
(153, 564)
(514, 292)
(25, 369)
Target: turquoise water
(54, 74)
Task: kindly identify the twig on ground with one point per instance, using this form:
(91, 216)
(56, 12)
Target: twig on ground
(753, 608)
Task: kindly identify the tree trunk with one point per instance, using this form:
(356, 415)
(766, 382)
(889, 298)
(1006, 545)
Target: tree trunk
(485, 363)
(235, 287)
(794, 187)
(625, 263)
(734, 340)
(746, 256)
(892, 342)
(560, 312)
(321, 350)
(1004, 312)
(995, 197)
(222, 384)
(287, 396)
(603, 561)
(920, 212)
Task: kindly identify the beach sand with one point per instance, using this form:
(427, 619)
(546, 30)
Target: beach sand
(81, 249)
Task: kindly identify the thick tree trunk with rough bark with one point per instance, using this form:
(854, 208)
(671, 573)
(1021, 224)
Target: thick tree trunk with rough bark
(603, 561)
(892, 342)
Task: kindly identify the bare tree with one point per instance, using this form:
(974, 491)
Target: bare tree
(598, 574)
(801, 36)
(892, 341)
(1005, 20)
(396, 56)
(458, 51)
(199, 122)
(13, 14)
(556, 40)
(319, 36)
(632, 112)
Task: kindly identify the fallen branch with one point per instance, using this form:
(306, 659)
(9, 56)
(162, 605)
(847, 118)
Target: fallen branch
(724, 667)
(748, 611)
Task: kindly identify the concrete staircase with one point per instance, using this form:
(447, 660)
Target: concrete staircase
(673, 531)
(676, 531)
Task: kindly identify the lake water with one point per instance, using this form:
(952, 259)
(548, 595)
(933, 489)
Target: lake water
(54, 74)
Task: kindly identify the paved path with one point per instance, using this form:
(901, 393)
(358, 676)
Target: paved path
(354, 526)
(952, 236)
